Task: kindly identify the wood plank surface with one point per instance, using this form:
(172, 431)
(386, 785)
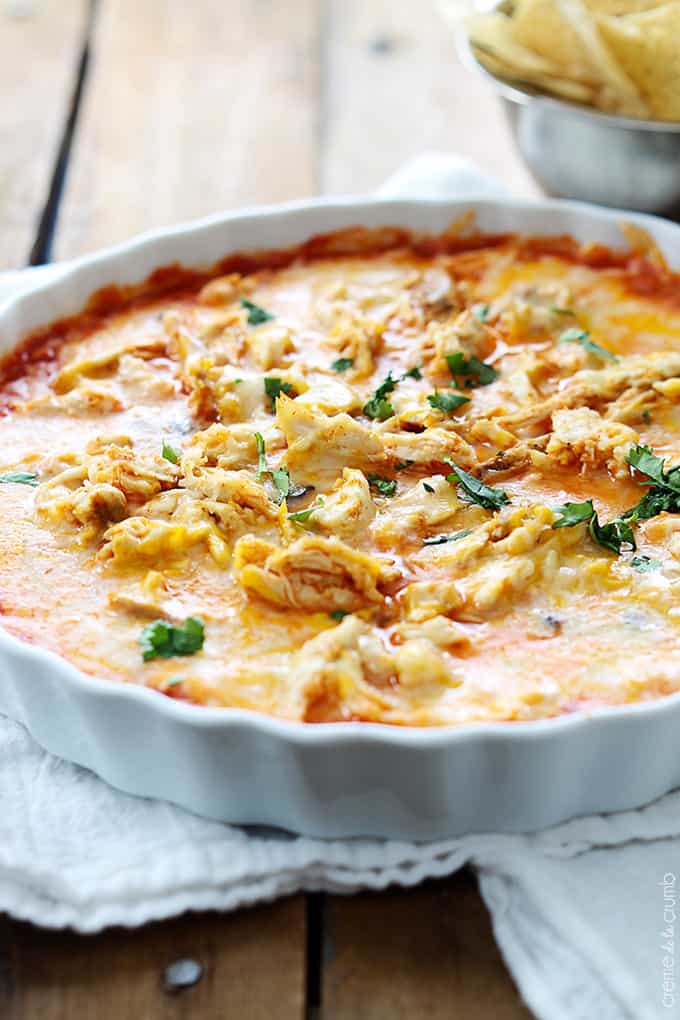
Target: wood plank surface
(40, 47)
(253, 969)
(394, 88)
(425, 953)
(191, 108)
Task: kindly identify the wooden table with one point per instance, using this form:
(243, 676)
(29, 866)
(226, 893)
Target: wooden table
(123, 115)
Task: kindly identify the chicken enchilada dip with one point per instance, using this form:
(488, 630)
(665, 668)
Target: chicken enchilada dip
(383, 477)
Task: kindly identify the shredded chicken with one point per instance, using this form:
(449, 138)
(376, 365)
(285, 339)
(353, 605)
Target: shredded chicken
(313, 573)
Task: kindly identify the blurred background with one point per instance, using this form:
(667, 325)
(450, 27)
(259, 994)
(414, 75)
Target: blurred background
(121, 115)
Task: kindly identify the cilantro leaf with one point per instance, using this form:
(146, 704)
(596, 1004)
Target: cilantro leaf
(338, 614)
(643, 564)
(644, 460)
(274, 387)
(580, 336)
(256, 314)
(470, 371)
(170, 453)
(447, 402)
(481, 312)
(261, 459)
(664, 495)
(378, 407)
(20, 477)
(342, 364)
(655, 501)
(164, 640)
(281, 480)
(476, 491)
(302, 516)
(573, 513)
(428, 487)
(403, 464)
(612, 535)
(385, 486)
(440, 539)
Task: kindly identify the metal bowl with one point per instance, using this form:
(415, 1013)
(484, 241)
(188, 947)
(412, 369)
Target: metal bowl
(576, 152)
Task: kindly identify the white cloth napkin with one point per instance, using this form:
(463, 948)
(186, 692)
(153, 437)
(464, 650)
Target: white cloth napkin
(585, 913)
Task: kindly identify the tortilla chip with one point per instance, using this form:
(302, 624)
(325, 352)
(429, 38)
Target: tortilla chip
(573, 91)
(647, 47)
(540, 26)
(620, 6)
(619, 93)
(492, 35)
(554, 45)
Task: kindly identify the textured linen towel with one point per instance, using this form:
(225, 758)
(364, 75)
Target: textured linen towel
(585, 913)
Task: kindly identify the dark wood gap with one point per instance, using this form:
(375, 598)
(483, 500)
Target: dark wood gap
(316, 909)
(41, 251)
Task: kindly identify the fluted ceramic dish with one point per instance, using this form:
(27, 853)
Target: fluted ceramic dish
(338, 779)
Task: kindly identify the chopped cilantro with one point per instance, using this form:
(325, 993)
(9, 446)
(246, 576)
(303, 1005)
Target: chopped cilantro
(378, 407)
(646, 417)
(274, 387)
(664, 495)
(403, 464)
(338, 614)
(476, 491)
(302, 516)
(580, 336)
(470, 371)
(481, 312)
(20, 477)
(170, 453)
(164, 640)
(447, 402)
(644, 460)
(385, 486)
(643, 564)
(342, 364)
(261, 459)
(656, 500)
(281, 480)
(610, 536)
(573, 513)
(428, 487)
(440, 539)
(256, 314)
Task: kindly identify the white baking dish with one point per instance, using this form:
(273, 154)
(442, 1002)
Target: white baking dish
(347, 779)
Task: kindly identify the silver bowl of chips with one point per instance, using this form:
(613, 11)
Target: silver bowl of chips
(592, 129)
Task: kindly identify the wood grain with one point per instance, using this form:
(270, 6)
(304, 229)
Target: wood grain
(40, 46)
(425, 953)
(253, 960)
(394, 88)
(191, 108)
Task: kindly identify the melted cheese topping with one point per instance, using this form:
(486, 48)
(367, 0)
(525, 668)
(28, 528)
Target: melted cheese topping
(352, 611)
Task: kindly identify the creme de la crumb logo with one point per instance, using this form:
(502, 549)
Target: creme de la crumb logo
(668, 883)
